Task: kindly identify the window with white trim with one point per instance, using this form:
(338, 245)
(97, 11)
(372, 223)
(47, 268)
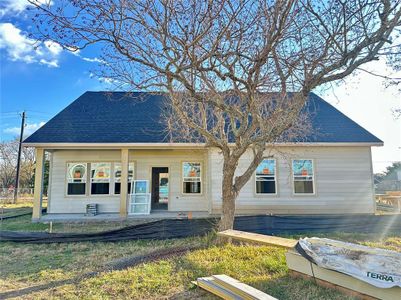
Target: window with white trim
(266, 177)
(100, 178)
(191, 177)
(303, 176)
(117, 177)
(76, 178)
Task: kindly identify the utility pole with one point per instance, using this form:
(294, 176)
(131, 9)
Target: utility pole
(19, 157)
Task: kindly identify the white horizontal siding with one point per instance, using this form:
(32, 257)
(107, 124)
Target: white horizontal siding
(343, 182)
(62, 203)
(144, 160)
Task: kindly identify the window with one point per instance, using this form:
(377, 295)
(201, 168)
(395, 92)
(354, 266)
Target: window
(266, 177)
(140, 198)
(76, 178)
(100, 178)
(191, 177)
(117, 177)
(302, 170)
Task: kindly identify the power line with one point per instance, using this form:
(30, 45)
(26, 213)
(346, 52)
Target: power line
(19, 156)
(10, 112)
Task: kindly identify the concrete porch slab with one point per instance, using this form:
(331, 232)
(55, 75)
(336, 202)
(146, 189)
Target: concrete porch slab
(153, 216)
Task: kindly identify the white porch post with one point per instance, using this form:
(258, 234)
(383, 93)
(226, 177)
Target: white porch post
(124, 182)
(38, 191)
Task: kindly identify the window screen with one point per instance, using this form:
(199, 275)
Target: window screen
(191, 177)
(100, 178)
(302, 170)
(117, 177)
(76, 178)
(266, 177)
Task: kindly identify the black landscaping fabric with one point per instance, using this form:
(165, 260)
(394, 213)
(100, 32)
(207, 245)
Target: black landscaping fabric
(181, 228)
(20, 215)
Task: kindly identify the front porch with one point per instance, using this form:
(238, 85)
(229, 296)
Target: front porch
(126, 183)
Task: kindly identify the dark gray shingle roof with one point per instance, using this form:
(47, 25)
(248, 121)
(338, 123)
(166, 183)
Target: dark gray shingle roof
(118, 117)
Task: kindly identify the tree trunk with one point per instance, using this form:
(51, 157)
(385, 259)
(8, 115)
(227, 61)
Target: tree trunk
(229, 196)
(228, 210)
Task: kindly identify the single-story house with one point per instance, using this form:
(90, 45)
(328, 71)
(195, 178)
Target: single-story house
(109, 149)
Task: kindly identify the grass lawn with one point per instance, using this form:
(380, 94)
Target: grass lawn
(22, 206)
(24, 223)
(24, 265)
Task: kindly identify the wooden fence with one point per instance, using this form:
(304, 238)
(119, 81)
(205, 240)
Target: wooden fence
(390, 201)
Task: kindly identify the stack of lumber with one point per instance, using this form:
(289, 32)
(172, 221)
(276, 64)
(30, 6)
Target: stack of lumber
(227, 287)
(390, 201)
(299, 266)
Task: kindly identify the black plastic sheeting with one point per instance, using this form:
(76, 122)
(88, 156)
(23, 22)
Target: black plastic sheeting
(20, 215)
(275, 225)
(163, 229)
(181, 228)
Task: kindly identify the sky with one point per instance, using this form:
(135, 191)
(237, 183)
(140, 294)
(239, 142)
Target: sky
(42, 80)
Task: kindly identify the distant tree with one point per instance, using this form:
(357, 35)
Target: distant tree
(46, 170)
(379, 177)
(393, 167)
(8, 165)
(227, 66)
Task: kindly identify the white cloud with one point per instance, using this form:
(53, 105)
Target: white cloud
(28, 130)
(73, 51)
(18, 6)
(50, 63)
(20, 47)
(102, 79)
(95, 59)
(53, 47)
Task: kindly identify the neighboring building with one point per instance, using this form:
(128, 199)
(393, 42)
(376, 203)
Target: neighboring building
(103, 141)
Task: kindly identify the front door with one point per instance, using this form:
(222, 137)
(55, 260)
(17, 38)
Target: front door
(160, 188)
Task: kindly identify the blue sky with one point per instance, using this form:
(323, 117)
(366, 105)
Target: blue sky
(40, 81)
(43, 80)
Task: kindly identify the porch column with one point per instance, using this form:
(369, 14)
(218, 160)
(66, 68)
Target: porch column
(124, 182)
(38, 188)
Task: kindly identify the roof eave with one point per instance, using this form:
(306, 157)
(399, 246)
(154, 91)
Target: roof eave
(184, 145)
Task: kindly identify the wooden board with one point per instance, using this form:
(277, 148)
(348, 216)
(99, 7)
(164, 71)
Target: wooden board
(258, 238)
(209, 284)
(330, 285)
(299, 264)
(241, 289)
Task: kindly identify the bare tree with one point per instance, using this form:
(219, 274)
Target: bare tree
(8, 164)
(237, 73)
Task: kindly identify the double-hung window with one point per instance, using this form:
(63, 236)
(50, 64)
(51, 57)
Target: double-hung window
(76, 178)
(303, 176)
(266, 177)
(191, 177)
(100, 178)
(117, 177)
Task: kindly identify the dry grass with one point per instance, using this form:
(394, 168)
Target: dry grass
(260, 266)
(26, 265)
